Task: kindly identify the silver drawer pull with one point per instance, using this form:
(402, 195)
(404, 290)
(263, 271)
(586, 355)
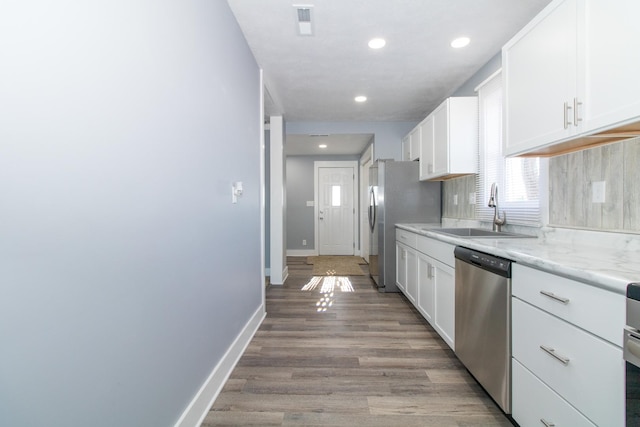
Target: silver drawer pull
(552, 352)
(555, 297)
(546, 423)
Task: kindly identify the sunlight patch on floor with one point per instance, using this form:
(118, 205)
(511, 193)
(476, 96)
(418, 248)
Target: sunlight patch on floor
(328, 286)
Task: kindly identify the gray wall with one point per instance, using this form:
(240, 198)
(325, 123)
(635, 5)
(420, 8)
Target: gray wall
(125, 271)
(387, 135)
(300, 217)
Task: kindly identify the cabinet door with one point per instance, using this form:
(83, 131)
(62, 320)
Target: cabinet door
(401, 267)
(539, 72)
(406, 148)
(445, 298)
(411, 288)
(609, 45)
(426, 287)
(426, 148)
(414, 143)
(586, 371)
(534, 401)
(441, 139)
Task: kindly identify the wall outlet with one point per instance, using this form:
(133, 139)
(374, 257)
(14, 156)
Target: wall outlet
(598, 191)
(455, 200)
(304, 242)
(472, 198)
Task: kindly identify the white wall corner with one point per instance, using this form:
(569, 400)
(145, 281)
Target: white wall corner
(198, 409)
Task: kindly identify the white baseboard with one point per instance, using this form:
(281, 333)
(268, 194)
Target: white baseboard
(285, 274)
(301, 252)
(203, 400)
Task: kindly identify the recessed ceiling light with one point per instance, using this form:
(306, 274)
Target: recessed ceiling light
(377, 43)
(322, 145)
(460, 42)
(360, 98)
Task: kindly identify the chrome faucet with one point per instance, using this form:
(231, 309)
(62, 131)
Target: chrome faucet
(493, 203)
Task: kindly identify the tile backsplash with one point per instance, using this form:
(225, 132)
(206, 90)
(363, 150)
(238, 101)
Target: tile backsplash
(460, 187)
(571, 180)
(571, 188)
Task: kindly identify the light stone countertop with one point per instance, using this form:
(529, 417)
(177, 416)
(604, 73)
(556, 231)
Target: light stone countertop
(606, 260)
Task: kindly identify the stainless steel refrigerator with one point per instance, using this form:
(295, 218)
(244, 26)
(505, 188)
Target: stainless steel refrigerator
(396, 195)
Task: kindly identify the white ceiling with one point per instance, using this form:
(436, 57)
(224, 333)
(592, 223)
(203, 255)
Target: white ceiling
(337, 144)
(315, 78)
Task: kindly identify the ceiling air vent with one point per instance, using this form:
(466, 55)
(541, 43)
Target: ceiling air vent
(303, 19)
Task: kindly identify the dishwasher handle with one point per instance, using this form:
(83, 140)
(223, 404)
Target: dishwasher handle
(488, 262)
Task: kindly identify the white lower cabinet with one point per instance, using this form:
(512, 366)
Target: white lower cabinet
(407, 265)
(577, 368)
(426, 287)
(425, 274)
(445, 301)
(537, 405)
(401, 267)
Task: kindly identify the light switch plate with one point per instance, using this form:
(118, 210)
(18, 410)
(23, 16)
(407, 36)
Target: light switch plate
(598, 191)
(310, 203)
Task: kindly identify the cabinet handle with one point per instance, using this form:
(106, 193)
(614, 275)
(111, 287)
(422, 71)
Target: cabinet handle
(429, 276)
(576, 119)
(432, 268)
(555, 297)
(567, 107)
(550, 351)
(546, 423)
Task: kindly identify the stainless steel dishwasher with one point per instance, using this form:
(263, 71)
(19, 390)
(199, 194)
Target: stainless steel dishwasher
(483, 321)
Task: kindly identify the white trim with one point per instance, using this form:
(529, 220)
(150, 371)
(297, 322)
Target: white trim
(365, 159)
(353, 164)
(278, 200)
(302, 252)
(199, 407)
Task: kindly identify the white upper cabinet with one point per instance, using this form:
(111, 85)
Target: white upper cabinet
(426, 148)
(539, 71)
(569, 74)
(450, 140)
(406, 148)
(610, 49)
(411, 145)
(414, 144)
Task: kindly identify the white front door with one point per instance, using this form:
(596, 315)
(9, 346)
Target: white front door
(336, 210)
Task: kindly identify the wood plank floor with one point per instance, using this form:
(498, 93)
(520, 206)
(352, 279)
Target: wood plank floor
(363, 359)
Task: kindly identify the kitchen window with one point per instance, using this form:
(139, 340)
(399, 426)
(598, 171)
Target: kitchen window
(517, 178)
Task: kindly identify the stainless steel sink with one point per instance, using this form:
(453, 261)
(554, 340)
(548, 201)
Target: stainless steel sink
(478, 233)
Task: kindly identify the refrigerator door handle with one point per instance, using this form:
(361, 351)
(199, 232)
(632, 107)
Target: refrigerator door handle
(372, 209)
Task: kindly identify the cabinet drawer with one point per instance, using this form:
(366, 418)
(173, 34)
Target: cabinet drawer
(599, 311)
(533, 402)
(406, 237)
(436, 249)
(592, 375)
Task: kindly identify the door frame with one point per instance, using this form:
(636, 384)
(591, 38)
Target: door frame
(366, 160)
(353, 164)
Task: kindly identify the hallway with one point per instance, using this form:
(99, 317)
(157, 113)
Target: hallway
(362, 358)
